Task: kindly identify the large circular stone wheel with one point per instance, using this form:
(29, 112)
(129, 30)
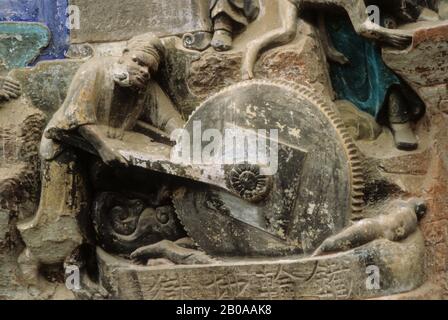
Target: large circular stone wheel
(317, 187)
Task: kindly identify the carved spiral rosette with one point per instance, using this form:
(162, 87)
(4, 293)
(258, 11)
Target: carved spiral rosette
(246, 180)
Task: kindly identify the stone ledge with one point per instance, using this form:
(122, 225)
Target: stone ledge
(340, 276)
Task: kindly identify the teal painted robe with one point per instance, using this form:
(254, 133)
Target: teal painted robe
(365, 80)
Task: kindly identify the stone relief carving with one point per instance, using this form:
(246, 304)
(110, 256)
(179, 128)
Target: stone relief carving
(353, 173)
(227, 17)
(9, 89)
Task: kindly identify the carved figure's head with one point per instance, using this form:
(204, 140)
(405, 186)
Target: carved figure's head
(123, 223)
(141, 60)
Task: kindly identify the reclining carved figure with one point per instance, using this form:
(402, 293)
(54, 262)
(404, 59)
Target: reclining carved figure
(399, 223)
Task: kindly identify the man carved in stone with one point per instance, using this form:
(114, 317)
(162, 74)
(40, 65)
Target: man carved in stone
(229, 16)
(107, 97)
(289, 11)
(399, 113)
(366, 81)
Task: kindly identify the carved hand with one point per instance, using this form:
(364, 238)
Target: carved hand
(9, 89)
(95, 136)
(172, 252)
(112, 157)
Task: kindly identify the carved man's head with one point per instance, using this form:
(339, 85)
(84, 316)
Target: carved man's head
(141, 60)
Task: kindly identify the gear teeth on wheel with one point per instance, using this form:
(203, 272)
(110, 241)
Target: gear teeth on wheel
(177, 210)
(350, 148)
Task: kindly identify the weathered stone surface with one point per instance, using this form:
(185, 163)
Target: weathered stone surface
(21, 126)
(427, 76)
(301, 62)
(340, 276)
(429, 291)
(427, 172)
(189, 78)
(443, 9)
(4, 223)
(115, 20)
(361, 125)
(20, 131)
(428, 54)
(214, 70)
(21, 42)
(46, 84)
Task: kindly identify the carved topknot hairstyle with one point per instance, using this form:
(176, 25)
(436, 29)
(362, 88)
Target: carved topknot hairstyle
(148, 43)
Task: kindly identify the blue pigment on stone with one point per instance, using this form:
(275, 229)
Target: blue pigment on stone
(365, 80)
(22, 42)
(51, 13)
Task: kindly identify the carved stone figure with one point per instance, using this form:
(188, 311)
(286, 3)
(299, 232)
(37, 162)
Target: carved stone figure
(106, 98)
(262, 193)
(289, 11)
(363, 78)
(399, 223)
(228, 17)
(403, 105)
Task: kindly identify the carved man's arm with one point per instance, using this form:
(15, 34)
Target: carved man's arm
(331, 52)
(162, 112)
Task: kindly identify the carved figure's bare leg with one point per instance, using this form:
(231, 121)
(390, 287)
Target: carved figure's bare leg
(357, 12)
(330, 51)
(286, 33)
(354, 236)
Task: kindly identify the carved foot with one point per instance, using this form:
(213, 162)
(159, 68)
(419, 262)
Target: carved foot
(168, 252)
(404, 137)
(397, 38)
(222, 40)
(336, 56)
